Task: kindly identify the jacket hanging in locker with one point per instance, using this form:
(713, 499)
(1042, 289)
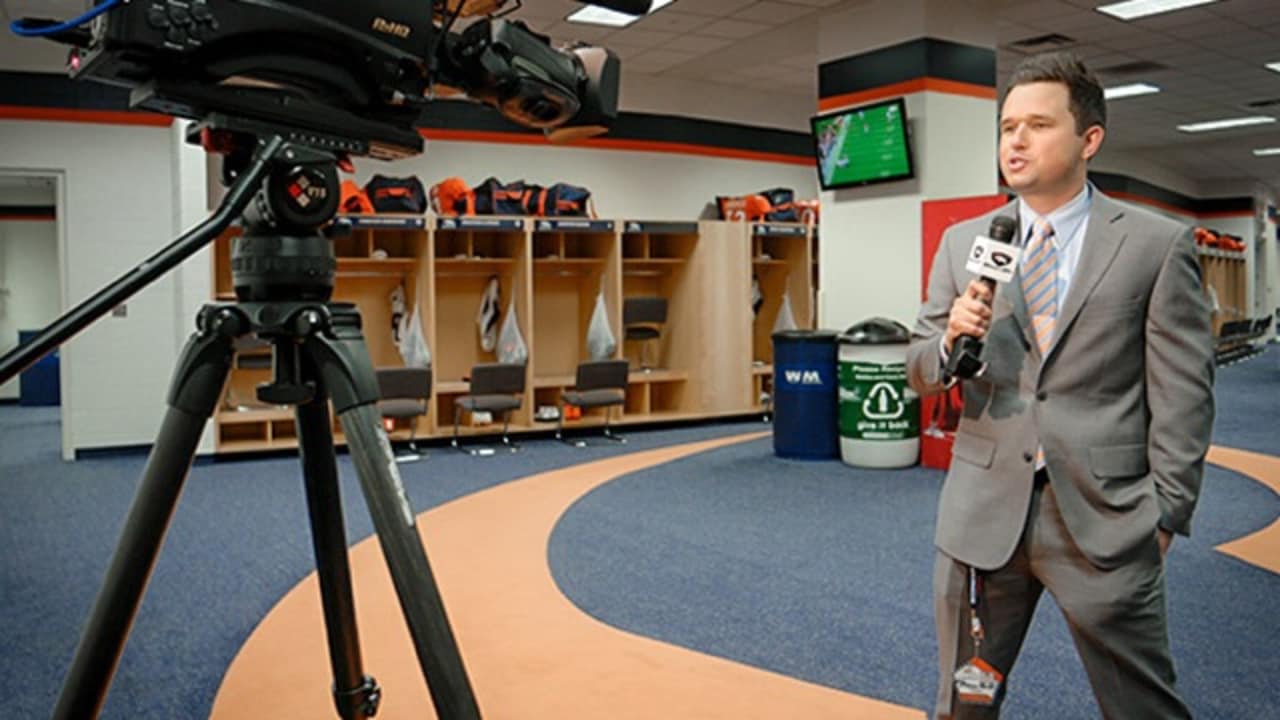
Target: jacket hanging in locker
(487, 315)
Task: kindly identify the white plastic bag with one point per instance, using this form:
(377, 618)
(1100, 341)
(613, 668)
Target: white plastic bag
(786, 319)
(601, 344)
(487, 315)
(511, 347)
(413, 342)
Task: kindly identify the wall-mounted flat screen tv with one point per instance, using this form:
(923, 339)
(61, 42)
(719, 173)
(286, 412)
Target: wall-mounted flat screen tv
(862, 145)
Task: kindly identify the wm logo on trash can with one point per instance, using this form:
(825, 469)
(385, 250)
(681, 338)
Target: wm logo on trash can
(803, 377)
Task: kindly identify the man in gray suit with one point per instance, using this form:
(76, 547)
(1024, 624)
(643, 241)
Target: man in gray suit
(1081, 446)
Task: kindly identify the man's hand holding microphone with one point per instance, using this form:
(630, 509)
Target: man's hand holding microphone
(994, 259)
(970, 313)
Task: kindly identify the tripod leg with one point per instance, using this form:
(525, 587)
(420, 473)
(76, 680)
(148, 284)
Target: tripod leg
(407, 559)
(193, 395)
(347, 374)
(355, 694)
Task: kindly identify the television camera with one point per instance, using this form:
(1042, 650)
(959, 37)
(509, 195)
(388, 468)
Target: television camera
(347, 76)
(288, 90)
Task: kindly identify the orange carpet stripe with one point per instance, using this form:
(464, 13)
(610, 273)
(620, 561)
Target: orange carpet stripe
(1261, 548)
(529, 651)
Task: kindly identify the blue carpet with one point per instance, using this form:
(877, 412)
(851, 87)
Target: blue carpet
(238, 542)
(823, 572)
(813, 569)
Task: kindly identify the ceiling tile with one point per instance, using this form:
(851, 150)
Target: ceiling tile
(711, 8)
(1213, 33)
(669, 20)
(1133, 39)
(696, 44)
(808, 62)
(735, 29)
(773, 13)
(637, 36)
(580, 31)
(826, 3)
(1186, 16)
(661, 59)
(1033, 13)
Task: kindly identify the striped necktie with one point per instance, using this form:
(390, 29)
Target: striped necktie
(1040, 283)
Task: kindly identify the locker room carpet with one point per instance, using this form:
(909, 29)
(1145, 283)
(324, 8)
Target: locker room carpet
(679, 582)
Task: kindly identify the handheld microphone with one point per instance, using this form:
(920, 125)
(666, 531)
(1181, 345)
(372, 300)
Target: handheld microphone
(994, 258)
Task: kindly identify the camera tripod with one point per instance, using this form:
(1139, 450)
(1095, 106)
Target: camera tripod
(283, 271)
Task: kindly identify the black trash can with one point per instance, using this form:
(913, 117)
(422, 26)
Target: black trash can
(804, 395)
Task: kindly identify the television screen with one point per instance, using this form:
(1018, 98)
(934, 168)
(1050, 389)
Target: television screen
(863, 145)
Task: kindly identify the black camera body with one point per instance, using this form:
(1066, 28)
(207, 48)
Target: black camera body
(332, 73)
(349, 77)
(350, 54)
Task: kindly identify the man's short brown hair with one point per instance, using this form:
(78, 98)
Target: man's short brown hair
(1087, 103)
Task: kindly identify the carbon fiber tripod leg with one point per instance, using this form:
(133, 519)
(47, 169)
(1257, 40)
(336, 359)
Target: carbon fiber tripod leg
(355, 694)
(343, 365)
(193, 395)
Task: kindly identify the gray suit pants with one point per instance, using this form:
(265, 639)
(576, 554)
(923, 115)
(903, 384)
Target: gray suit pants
(1116, 617)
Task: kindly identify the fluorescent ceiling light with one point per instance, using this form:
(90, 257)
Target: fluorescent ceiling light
(1227, 123)
(1274, 66)
(1263, 152)
(1124, 91)
(593, 15)
(1132, 9)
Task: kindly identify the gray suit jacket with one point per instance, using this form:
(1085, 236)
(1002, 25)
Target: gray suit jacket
(1122, 402)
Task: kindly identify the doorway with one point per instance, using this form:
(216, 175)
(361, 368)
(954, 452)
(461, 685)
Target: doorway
(31, 283)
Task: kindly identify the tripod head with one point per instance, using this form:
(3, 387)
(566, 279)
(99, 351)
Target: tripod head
(283, 255)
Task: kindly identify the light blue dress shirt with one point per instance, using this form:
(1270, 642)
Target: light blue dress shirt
(1069, 224)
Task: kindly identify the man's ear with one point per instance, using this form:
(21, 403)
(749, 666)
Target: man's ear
(1093, 141)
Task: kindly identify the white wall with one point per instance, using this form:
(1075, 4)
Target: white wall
(624, 184)
(119, 189)
(1141, 168)
(713, 101)
(870, 256)
(28, 283)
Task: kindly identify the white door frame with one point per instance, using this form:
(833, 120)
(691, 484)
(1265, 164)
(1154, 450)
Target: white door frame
(60, 229)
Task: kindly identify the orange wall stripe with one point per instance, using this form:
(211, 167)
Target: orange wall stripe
(615, 144)
(107, 117)
(906, 87)
(19, 112)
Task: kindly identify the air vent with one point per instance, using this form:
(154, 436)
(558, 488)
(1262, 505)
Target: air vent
(1263, 103)
(1042, 42)
(1137, 67)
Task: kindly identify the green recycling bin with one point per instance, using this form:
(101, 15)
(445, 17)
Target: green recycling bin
(879, 415)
